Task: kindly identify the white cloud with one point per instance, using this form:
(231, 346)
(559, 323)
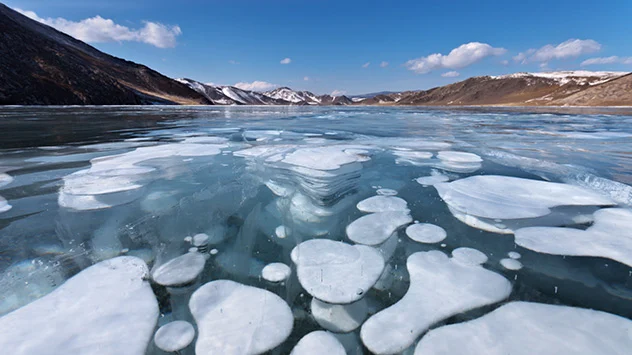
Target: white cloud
(286, 61)
(306, 78)
(607, 60)
(384, 64)
(568, 49)
(256, 86)
(366, 65)
(460, 57)
(504, 62)
(98, 29)
(451, 74)
(234, 62)
(338, 93)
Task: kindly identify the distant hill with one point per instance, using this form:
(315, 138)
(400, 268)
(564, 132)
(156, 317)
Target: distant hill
(571, 88)
(42, 66)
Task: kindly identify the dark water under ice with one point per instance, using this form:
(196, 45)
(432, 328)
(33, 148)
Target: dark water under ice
(83, 185)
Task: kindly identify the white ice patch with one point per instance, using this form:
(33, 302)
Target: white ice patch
(426, 233)
(85, 189)
(276, 272)
(375, 228)
(609, 237)
(469, 256)
(340, 318)
(386, 192)
(174, 336)
(439, 288)
(108, 308)
(281, 232)
(237, 319)
(5, 179)
(4, 205)
(432, 179)
(383, 204)
(318, 342)
(511, 264)
(336, 272)
(320, 158)
(523, 328)
(504, 197)
(180, 270)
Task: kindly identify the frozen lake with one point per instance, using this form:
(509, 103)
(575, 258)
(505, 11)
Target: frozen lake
(315, 230)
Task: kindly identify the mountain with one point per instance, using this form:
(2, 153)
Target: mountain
(287, 94)
(571, 88)
(42, 66)
(358, 98)
(230, 95)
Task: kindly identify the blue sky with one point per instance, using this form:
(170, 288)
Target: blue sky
(329, 43)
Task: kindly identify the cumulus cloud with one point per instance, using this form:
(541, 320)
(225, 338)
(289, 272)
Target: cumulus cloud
(366, 65)
(338, 93)
(286, 61)
(607, 60)
(256, 86)
(504, 62)
(568, 49)
(384, 64)
(98, 30)
(306, 78)
(460, 57)
(451, 74)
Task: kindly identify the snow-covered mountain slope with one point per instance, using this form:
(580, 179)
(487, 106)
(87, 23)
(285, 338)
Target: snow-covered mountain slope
(230, 95)
(580, 77)
(585, 88)
(287, 94)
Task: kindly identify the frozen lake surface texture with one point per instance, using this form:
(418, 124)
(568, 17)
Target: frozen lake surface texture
(258, 230)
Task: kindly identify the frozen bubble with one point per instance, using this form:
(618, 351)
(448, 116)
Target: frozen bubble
(469, 256)
(179, 271)
(523, 328)
(459, 157)
(432, 179)
(320, 158)
(5, 179)
(439, 288)
(200, 239)
(237, 319)
(609, 237)
(340, 318)
(426, 233)
(108, 308)
(174, 336)
(375, 228)
(276, 272)
(188, 239)
(336, 272)
(281, 232)
(383, 204)
(511, 264)
(318, 342)
(214, 251)
(504, 197)
(4, 205)
(386, 192)
(514, 255)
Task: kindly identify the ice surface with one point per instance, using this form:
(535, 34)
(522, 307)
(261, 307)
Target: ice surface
(340, 318)
(233, 318)
(276, 272)
(336, 272)
(522, 328)
(108, 308)
(609, 237)
(375, 228)
(426, 233)
(174, 336)
(439, 288)
(4, 205)
(317, 343)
